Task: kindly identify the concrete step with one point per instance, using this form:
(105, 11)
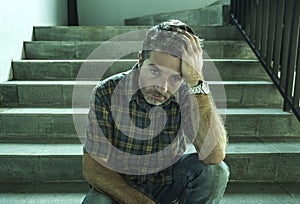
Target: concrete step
(227, 69)
(211, 15)
(57, 124)
(249, 162)
(45, 198)
(261, 193)
(103, 33)
(124, 49)
(62, 193)
(61, 93)
(43, 193)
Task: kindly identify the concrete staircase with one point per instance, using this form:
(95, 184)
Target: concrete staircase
(40, 153)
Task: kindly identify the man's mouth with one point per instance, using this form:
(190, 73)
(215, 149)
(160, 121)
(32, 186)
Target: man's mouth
(157, 96)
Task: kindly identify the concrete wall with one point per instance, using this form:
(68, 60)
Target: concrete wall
(17, 18)
(113, 12)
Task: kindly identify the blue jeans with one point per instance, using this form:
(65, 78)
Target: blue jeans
(193, 182)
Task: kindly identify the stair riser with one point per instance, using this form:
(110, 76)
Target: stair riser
(35, 126)
(40, 168)
(61, 126)
(262, 125)
(237, 95)
(228, 71)
(213, 15)
(95, 33)
(262, 167)
(82, 50)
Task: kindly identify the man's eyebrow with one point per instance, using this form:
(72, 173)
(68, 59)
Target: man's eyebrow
(154, 66)
(157, 67)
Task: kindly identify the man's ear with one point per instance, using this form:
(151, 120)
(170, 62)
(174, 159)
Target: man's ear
(140, 57)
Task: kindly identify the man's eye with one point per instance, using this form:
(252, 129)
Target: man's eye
(154, 71)
(176, 79)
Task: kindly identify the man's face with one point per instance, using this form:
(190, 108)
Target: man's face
(160, 77)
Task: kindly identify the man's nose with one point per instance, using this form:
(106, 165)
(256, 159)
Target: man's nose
(163, 85)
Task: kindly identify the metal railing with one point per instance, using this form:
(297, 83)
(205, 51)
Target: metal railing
(271, 28)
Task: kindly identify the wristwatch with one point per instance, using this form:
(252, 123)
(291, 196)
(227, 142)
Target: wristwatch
(201, 88)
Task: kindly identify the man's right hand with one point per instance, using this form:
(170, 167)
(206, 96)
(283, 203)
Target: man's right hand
(111, 183)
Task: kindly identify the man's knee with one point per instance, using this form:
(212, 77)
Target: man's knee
(219, 173)
(223, 168)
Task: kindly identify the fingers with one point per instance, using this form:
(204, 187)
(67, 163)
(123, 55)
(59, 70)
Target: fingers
(192, 61)
(193, 51)
(193, 42)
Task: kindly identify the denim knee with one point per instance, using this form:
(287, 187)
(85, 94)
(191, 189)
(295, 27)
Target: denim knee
(219, 173)
(206, 183)
(223, 170)
(217, 179)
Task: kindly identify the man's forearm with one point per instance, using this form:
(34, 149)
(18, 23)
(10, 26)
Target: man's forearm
(211, 139)
(111, 183)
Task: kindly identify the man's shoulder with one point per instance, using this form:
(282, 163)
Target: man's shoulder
(111, 82)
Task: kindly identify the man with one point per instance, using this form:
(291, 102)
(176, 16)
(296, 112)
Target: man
(141, 121)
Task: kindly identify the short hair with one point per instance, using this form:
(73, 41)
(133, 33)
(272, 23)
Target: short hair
(166, 37)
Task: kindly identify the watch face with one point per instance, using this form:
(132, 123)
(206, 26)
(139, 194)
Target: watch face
(202, 88)
(205, 87)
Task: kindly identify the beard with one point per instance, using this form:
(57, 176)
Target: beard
(154, 97)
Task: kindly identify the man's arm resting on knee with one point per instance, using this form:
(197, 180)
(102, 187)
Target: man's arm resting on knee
(211, 139)
(110, 182)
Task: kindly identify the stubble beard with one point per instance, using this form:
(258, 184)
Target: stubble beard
(154, 97)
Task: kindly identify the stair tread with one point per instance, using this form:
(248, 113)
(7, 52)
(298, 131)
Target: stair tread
(76, 60)
(40, 149)
(236, 193)
(228, 111)
(122, 60)
(96, 27)
(101, 41)
(82, 82)
(126, 49)
(32, 198)
(53, 69)
(239, 148)
(107, 32)
(209, 15)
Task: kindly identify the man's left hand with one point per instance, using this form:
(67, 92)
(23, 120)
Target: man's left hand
(192, 60)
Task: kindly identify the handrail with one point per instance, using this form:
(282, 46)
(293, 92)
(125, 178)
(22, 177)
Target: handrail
(271, 28)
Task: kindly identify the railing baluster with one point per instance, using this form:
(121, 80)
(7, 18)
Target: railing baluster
(278, 37)
(265, 24)
(271, 36)
(286, 42)
(239, 13)
(247, 16)
(258, 25)
(253, 20)
(293, 48)
(296, 100)
(272, 29)
(244, 14)
(233, 8)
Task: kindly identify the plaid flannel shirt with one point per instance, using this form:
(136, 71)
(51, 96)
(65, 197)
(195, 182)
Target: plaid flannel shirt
(106, 139)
